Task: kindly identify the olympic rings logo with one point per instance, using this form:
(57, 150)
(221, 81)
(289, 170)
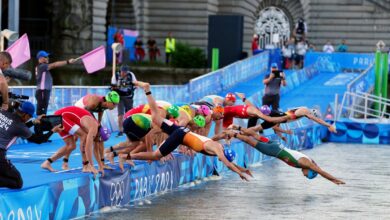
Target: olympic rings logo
(117, 193)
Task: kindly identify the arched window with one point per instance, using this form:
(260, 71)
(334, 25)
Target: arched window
(273, 27)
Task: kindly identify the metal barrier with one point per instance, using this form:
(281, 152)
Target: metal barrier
(357, 110)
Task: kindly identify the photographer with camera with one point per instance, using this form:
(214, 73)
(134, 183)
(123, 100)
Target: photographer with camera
(13, 124)
(271, 97)
(122, 83)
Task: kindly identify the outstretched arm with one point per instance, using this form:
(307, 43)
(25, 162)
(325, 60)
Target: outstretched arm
(281, 130)
(61, 63)
(306, 163)
(242, 137)
(275, 120)
(218, 126)
(244, 99)
(243, 170)
(227, 163)
(322, 122)
(218, 137)
(157, 119)
(252, 131)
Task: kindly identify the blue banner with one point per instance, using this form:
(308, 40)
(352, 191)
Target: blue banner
(73, 197)
(114, 188)
(128, 44)
(149, 179)
(360, 132)
(337, 62)
(223, 79)
(32, 203)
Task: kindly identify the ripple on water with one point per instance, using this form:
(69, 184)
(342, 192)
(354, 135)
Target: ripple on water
(281, 192)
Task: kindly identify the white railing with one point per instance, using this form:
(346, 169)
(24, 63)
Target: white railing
(362, 107)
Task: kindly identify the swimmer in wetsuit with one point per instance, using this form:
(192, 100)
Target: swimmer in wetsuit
(247, 111)
(181, 135)
(293, 158)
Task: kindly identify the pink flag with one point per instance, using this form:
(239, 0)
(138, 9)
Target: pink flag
(20, 51)
(94, 60)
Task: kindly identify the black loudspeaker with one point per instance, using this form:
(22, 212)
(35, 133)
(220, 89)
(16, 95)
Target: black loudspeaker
(226, 34)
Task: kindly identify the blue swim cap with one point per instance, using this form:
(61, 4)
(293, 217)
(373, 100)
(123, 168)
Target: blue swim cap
(229, 154)
(311, 174)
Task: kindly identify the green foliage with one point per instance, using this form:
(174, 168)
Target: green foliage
(186, 56)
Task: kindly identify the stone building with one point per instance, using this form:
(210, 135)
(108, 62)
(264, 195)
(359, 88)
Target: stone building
(69, 27)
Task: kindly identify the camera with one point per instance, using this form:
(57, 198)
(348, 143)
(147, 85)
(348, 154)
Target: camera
(14, 101)
(50, 121)
(276, 73)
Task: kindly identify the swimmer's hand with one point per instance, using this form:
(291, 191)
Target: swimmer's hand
(247, 171)
(232, 127)
(332, 129)
(144, 85)
(283, 138)
(57, 128)
(241, 95)
(243, 177)
(338, 182)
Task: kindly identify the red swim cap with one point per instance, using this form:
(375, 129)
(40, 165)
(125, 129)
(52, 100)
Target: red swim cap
(230, 97)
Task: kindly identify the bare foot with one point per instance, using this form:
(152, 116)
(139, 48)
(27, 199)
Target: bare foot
(106, 167)
(91, 169)
(85, 169)
(101, 170)
(65, 166)
(121, 164)
(110, 157)
(47, 166)
(130, 162)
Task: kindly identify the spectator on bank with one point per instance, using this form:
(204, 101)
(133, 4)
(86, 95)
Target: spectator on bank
(170, 45)
(290, 54)
(45, 79)
(153, 49)
(328, 47)
(139, 50)
(342, 47)
(301, 49)
(123, 84)
(300, 29)
(286, 54)
(118, 38)
(255, 44)
(311, 47)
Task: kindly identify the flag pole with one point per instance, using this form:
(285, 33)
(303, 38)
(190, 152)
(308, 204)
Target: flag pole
(116, 48)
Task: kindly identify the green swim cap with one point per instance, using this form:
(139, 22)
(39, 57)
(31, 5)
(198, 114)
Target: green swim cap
(113, 97)
(173, 110)
(142, 121)
(200, 121)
